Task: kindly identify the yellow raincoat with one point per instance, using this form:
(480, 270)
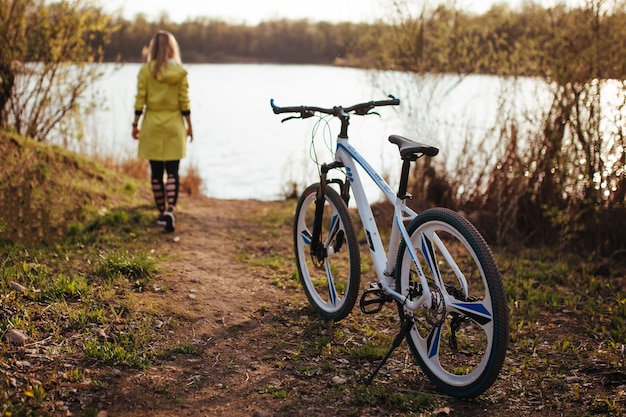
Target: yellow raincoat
(163, 100)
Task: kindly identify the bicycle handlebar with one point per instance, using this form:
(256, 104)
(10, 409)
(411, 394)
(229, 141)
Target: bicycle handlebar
(360, 109)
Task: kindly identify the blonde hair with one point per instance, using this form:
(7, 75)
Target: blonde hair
(163, 47)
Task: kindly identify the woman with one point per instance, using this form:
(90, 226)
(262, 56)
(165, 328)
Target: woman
(163, 100)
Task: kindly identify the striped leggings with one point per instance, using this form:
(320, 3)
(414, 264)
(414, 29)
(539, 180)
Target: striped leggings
(165, 190)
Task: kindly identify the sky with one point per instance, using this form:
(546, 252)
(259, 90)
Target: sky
(254, 11)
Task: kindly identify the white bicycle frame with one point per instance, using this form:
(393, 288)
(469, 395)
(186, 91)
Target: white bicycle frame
(384, 264)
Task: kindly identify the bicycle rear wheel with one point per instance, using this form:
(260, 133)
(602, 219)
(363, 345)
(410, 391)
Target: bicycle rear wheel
(331, 283)
(460, 343)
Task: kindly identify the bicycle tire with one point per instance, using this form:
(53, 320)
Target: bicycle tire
(332, 285)
(480, 312)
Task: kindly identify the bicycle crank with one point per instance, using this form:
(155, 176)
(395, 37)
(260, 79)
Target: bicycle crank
(373, 299)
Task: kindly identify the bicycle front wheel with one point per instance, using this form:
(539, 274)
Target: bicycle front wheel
(460, 342)
(331, 281)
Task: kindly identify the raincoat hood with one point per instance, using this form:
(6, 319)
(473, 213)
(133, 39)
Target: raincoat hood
(171, 74)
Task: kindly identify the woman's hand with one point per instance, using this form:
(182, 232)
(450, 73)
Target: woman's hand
(136, 128)
(190, 133)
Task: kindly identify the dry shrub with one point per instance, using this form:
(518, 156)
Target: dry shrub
(134, 168)
(191, 183)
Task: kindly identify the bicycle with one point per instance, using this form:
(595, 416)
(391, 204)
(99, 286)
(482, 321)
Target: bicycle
(438, 269)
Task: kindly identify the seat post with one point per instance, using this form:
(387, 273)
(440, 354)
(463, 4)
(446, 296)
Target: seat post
(404, 178)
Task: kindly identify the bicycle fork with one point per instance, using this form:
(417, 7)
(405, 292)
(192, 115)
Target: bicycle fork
(318, 250)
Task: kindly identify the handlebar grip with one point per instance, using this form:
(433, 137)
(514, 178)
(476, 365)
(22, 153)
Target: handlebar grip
(393, 102)
(277, 109)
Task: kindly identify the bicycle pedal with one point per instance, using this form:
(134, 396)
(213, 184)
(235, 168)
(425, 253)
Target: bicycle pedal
(373, 299)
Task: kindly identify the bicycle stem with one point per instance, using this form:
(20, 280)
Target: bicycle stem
(345, 121)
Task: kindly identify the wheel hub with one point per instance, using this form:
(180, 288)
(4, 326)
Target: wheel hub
(436, 314)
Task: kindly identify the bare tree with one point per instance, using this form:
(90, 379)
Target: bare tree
(47, 62)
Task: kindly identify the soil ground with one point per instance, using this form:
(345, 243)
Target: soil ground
(219, 304)
(238, 320)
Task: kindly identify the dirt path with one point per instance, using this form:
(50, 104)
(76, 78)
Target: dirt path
(218, 304)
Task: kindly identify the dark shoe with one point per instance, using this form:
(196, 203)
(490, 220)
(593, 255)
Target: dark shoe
(161, 221)
(170, 221)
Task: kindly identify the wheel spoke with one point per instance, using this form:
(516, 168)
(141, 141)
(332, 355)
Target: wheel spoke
(332, 232)
(332, 291)
(477, 311)
(433, 340)
(429, 255)
(306, 237)
(450, 260)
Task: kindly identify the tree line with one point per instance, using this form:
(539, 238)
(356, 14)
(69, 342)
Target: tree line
(205, 40)
(526, 41)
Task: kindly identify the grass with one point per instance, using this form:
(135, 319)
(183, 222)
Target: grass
(76, 304)
(72, 258)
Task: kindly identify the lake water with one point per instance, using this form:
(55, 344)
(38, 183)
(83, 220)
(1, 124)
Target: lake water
(243, 151)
